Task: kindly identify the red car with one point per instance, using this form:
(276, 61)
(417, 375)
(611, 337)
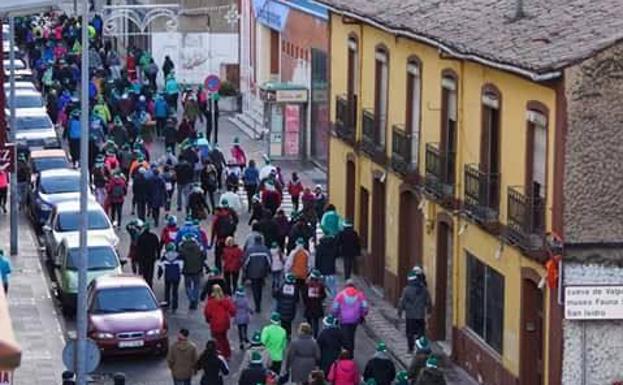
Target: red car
(125, 317)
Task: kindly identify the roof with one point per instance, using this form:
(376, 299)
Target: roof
(93, 240)
(70, 206)
(26, 92)
(31, 112)
(121, 280)
(49, 153)
(60, 172)
(553, 34)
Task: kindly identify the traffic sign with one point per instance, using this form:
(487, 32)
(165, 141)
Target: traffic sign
(212, 83)
(92, 359)
(7, 155)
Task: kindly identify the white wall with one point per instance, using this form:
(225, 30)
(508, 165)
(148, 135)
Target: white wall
(195, 55)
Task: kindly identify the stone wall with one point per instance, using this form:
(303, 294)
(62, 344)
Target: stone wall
(598, 344)
(593, 180)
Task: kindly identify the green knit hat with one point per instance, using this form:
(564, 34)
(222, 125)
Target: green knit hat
(256, 339)
(381, 347)
(300, 241)
(315, 274)
(290, 278)
(256, 358)
(371, 381)
(422, 345)
(170, 246)
(402, 378)
(329, 321)
(275, 318)
(432, 362)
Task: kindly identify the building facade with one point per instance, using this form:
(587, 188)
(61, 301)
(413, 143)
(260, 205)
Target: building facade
(284, 76)
(462, 150)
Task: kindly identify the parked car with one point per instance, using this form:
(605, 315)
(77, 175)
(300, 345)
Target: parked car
(125, 317)
(64, 222)
(24, 74)
(50, 159)
(19, 64)
(50, 188)
(26, 99)
(35, 130)
(20, 85)
(103, 260)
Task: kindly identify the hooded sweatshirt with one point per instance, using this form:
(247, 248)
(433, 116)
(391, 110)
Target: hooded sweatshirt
(343, 372)
(181, 359)
(350, 306)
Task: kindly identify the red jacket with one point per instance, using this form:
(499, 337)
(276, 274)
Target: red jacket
(232, 259)
(113, 184)
(344, 372)
(295, 188)
(218, 313)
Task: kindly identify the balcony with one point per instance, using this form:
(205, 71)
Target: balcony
(439, 173)
(525, 220)
(402, 157)
(371, 137)
(481, 198)
(345, 122)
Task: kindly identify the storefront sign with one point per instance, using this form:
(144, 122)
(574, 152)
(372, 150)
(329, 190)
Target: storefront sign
(593, 302)
(291, 96)
(293, 120)
(5, 377)
(272, 14)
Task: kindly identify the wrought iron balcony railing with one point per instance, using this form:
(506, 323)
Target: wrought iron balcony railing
(525, 219)
(402, 156)
(481, 199)
(439, 172)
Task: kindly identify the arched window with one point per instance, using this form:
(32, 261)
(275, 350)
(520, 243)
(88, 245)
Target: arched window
(490, 144)
(414, 106)
(381, 88)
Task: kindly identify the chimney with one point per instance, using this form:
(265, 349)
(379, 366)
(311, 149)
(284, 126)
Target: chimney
(519, 13)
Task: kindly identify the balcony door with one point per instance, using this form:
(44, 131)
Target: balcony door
(414, 100)
(536, 167)
(350, 190)
(410, 235)
(490, 149)
(352, 83)
(381, 81)
(448, 126)
(378, 233)
(532, 326)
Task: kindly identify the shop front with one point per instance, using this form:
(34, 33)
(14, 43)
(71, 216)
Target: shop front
(285, 116)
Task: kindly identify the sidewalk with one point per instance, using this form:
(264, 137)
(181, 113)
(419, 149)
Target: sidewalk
(33, 314)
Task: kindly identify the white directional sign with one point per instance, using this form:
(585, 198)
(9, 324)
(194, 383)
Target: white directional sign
(594, 302)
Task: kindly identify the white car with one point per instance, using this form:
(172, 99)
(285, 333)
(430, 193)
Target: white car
(64, 222)
(19, 85)
(25, 100)
(19, 65)
(35, 130)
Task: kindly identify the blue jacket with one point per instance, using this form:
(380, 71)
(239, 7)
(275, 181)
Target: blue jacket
(161, 108)
(74, 128)
(171, 267)
(251, 176)
(157, 191)
(171, 87)
(5, 268)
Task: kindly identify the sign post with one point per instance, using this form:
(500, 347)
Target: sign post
(213, 85)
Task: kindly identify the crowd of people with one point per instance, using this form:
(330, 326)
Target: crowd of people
(129, 111)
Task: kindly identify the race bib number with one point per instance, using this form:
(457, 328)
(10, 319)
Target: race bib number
(288, 289)
(313, 292)
(168, 186)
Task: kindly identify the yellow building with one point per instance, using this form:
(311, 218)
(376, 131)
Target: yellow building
(447, 152)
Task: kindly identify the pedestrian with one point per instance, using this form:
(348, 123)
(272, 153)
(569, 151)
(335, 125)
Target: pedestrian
(344, 370)
(331, 343)
(223, 226)
(277, 266)
(168, 175)
(148, 251)
(134, 228)
(73, 135)
(350, 307)
(302, 355)
(167, 66)
(287, 300)
(255, 372)
(171, 266)
(320, 200)
(255, 347)
(415, 302)
(326, 255)
(295, 189)
(140, 192)
(185, 174)
(24, 173)
(192, 253)
(251, 180)
(4, 186)
(243, 315)
(431, 374)
(283, 227)
(380, 367)
(239, 157)
(349, 245)
(213, 365)
(218, 311)
(209, 181)
(331, 223)
(161, 113)
(314, 295)
(214, 277)
(274, 338)
(257, 265)
(197, 207)
(5, 271)
(299, 263)
(172, 89)
(271, 197)
(299, 230)
(418, 362)
(232, 263)
(269, 228)
(170, 134)
(169, 232)
(157, 195)
(182, 358)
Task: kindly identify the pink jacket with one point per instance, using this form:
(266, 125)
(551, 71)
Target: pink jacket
(4, 179)
(344, 372)
(238, 155)
(350, 306)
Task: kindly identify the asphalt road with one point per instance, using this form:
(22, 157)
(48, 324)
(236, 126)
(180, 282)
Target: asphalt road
(147, 370)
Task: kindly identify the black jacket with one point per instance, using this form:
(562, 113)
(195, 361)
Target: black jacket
(214, 368)
(326, 253)
(430, 376)
(380, 368)
(269, 229)
(184, 172)
(286, 303)
(253, 375)
(330, 341)
(147, 247)
(349, 243)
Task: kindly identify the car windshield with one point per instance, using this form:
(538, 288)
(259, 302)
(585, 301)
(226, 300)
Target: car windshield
(100, 258)
(42, 164)
(70, 221)
(60, 184)
(26, 101)
(19, 64)
(33, 122)
(123, 299)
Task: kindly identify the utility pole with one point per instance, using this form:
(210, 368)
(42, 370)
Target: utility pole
(14, 193)
(81, 308)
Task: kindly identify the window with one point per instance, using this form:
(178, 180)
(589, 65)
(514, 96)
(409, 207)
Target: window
(352, 86)
(536, 167)
(274, 52)
(490, 146)
(448, 125)
(380, 94)
(414, 100)
(485, 302)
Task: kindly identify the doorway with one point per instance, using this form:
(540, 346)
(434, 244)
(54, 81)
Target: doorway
(410, 236)
(364, 221)
(441, 325)
(378, 233)
(531, 360)
(350, 190)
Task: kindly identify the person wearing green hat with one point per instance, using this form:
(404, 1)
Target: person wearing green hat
(214, 278)
(5, 271)
(243, 315)
(344, 370)
(402, 378)
(380, 367)
(251, 354)
(171, 265)
(349, 245)
(431, 374)
(416, 303)
(330, 342)
(422, 353)
(254, 372)
(147, 252)
(287, 298)
(275, 339)
(314, 294)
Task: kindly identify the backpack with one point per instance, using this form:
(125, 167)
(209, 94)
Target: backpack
(300, 264)
(226, 226)
(117, 191)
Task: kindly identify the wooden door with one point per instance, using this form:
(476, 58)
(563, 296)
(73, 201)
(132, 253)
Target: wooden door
(378, 232)
(410, 236)
(350, 190)
(364, 222)
(274, 52)
(531, 360)
(438, 324)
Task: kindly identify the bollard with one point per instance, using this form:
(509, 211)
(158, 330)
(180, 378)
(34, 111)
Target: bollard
(119, 379)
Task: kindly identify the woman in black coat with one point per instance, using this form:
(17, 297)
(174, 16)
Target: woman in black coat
(330, 341)
(213, 365)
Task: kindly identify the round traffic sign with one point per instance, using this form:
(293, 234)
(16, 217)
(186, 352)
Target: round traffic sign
(212, 83)
(92, 359)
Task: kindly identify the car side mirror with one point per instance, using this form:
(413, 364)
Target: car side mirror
(46, 228)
